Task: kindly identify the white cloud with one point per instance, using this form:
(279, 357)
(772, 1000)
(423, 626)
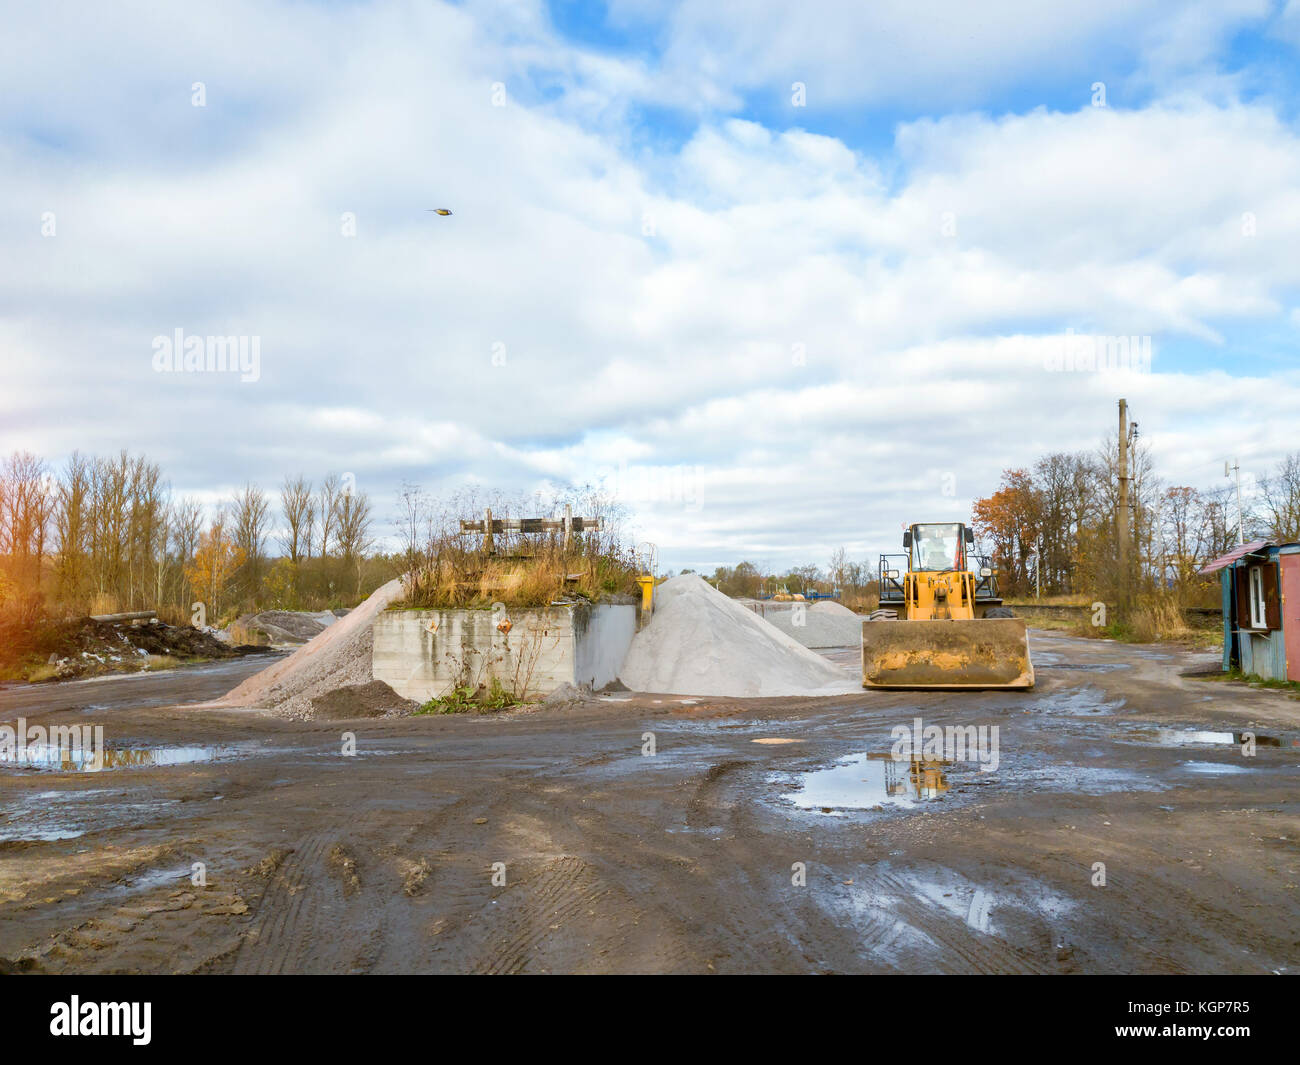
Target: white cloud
(793, 358)
(931, 53)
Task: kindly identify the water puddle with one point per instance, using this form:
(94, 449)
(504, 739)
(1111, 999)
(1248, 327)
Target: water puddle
(1213, 768)
(1070, 778)
(1080, 702)
(1086, 667)
(133, 885)
(50, 816)
(86, 760)
(870, 782)
(1171, 737)
(18, 834)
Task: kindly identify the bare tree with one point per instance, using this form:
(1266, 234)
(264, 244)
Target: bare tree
(1281, 498)
(249, 511)
(70, 529)
(353, 523)
(186, 527)
(414, 505)
(296, 506)
(327, 505)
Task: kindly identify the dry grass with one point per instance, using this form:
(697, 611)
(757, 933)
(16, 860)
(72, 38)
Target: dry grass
(1074, 599)
(448, 569)
(104, 604)
(1158, 616)
(472, 579)
(861, 602)
(154, 663)
(242, 634)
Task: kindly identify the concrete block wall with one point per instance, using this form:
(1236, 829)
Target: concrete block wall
(424, 654)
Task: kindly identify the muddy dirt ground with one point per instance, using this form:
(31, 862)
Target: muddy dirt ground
(615, 861)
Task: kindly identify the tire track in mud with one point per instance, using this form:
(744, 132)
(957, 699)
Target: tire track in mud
(717, 894)
(589, 897)
(96, 943)
(894, 926)
(317, 888)
(418, 926)
(1155, 923)
(880, 932)
(538, 906)
(276, 936)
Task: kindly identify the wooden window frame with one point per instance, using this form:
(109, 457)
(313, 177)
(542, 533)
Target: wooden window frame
(1254, 582)
(1262, 612)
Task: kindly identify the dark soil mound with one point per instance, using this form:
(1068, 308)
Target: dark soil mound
(375, 699)
(83, 647)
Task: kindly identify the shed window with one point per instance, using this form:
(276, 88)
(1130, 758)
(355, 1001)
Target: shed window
(1258, 613)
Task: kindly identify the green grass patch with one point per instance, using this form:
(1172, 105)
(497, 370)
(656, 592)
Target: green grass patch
(1252, 680)
(480, 700)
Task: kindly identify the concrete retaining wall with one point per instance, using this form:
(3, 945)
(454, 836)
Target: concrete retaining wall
(424, 654)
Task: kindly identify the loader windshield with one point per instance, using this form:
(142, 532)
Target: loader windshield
(936, 547)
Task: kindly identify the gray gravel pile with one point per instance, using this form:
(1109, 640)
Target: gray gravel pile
(815, 625)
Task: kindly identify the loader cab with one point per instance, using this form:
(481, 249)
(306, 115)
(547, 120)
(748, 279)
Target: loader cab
(938, 546)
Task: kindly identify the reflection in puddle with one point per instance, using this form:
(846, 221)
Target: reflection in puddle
(1078, 702)
(49, 816)
(19, 834)
(1214, 768)
(870, 781)
(75, 759)
(1080, 779)
(1170, 737)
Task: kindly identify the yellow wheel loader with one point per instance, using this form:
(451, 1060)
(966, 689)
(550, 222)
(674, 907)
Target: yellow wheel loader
(941, 623)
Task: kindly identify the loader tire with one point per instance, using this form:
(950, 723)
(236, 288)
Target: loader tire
(999, 612)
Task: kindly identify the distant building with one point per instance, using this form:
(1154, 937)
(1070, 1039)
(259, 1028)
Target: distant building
(1261, 609)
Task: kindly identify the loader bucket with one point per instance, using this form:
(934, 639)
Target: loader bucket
(977, 653)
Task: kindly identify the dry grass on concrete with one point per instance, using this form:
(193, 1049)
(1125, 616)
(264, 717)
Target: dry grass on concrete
(473, 579)
(450, 570)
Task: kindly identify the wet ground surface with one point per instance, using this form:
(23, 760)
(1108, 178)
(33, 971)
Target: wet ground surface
(777, 835)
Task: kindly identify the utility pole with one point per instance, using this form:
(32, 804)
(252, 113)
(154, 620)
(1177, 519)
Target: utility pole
(1121, 516)
(1236, 468)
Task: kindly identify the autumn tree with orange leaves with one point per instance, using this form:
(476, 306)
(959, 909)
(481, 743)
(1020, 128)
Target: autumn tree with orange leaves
(1009, 523)
(215, 562)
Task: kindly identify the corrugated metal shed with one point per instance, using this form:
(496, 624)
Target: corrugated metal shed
(1234, 554)
(1272, 649)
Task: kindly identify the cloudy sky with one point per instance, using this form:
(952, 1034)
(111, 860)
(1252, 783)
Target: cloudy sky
(783, 276)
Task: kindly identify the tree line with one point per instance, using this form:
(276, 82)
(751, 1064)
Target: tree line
(854, 580)
(1052, 528)
(104, 534)
(1054, 524)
